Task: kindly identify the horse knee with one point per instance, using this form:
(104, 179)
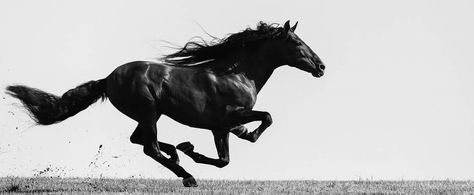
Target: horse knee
(222, 162)
(253, 138)
(268, 119)
(240, 131)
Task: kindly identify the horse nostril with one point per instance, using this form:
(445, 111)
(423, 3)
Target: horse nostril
(322, 67)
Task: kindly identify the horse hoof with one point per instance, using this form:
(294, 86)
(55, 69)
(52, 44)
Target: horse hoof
(185, 147)
(190, 182)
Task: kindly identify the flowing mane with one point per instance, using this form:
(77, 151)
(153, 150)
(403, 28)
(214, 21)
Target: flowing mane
(232, 48)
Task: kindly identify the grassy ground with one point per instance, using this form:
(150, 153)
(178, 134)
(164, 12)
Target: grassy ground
(155, 186)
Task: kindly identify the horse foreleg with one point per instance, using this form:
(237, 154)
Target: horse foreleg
(246, 116)
(221, 140)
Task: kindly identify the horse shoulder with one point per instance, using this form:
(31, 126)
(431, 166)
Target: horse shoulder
(237, 89)
(186, 87)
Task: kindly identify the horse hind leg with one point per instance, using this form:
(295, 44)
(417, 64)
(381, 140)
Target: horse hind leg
(169, 149)
(151, 148)
(146, 114)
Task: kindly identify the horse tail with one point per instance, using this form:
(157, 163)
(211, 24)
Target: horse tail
(47, 109)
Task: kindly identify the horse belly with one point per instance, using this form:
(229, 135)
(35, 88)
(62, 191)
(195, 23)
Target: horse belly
(189, 106)
(192, 117)
(195, 121)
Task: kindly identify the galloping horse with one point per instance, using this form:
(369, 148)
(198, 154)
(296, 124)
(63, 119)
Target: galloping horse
(209, 85)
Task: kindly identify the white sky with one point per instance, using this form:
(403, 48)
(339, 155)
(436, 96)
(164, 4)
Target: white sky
(397, 100)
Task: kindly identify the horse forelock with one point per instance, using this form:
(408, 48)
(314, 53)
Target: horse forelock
(232, 48)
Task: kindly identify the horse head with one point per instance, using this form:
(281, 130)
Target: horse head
(296, 53)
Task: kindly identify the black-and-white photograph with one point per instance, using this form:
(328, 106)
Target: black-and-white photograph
(237, 97)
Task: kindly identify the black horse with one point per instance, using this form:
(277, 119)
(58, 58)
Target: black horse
(204, 85)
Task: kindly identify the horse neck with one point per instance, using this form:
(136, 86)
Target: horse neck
(258, 67)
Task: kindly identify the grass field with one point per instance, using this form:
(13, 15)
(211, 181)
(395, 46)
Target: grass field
(162, 186)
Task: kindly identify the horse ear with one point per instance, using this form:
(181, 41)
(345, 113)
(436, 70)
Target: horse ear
(294, 27)
(286, 26)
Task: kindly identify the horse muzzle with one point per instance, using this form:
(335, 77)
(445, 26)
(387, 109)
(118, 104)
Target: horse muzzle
(318, 74)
